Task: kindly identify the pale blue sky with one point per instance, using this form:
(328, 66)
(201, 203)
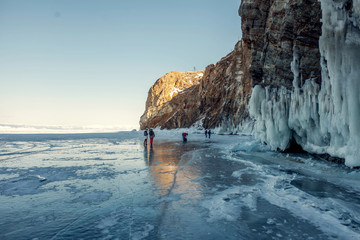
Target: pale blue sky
(92, 62)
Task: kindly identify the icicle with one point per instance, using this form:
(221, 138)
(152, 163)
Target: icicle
(322, 119)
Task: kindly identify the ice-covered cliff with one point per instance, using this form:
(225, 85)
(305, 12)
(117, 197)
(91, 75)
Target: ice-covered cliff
(299, 64)
(323, 117)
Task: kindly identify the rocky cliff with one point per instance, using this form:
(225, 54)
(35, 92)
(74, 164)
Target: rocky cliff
(271, 30)
(167, 97)
(295, 72)
(220, 97)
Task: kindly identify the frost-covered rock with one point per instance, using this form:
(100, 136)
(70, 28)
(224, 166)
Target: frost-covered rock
(323, 117)
(339, 97)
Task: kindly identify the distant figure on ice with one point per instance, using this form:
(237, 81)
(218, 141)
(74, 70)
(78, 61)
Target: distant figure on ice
(152, 135)
(206, 133)
(184, 135)
(146, 137)
(209, 132)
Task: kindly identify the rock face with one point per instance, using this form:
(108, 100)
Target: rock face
(219, 98)
(272, 31)
(164, 96)
(224, 92)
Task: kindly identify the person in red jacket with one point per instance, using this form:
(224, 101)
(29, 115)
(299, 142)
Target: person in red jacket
(152, 135)
(184, 135)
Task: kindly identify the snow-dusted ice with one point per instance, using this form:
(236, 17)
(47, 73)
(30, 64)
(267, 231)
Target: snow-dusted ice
(107, 186)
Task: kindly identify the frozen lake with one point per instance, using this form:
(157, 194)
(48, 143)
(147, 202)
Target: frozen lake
(108, 186)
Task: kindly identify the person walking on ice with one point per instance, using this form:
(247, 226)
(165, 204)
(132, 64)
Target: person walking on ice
(206, 133)
(152, 135)
(184, 135)
(209, 133)
(146, 137)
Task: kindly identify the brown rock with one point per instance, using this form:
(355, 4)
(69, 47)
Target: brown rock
(272, 31)
(220, 97)
(158, 110)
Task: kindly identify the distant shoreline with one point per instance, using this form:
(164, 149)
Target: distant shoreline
(57, 129)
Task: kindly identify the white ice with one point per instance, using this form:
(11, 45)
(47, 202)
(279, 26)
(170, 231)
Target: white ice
(108, 186)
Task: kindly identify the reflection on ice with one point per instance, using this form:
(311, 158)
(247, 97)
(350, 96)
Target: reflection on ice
(107, 186)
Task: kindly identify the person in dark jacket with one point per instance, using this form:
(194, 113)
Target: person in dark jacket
(146, 137)
(206, 133)
(209, 133)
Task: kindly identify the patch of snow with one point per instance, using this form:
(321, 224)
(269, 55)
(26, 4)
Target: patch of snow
(144, 233)
(176, 90)
(95, 197)
(107, 222)
(220, 209)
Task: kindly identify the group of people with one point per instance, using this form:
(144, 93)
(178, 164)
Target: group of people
(207, 133)
(149, 133)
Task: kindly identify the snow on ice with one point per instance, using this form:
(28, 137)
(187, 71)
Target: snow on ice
(108, 186)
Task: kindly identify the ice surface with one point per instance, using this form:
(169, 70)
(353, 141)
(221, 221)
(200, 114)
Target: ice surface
(107, 186)
(321, 118)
